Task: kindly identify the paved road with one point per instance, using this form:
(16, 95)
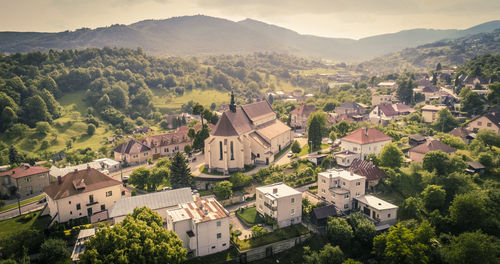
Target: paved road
(284, 159)
(24, 209)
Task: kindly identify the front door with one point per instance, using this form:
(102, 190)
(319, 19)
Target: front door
(89, 211)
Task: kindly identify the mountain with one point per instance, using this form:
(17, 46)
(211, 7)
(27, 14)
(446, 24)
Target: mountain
(202, 35)
(452, 52)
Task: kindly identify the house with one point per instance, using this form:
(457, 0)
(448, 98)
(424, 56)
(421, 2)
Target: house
(132, 152)
(388, 84)
(417, 153)
(416, 140)
(142, 130)
(83, 236)
(25, 179)
(159, 202)
(383, 114)
(430, 112)
(461, 132)
(403, 109)
(475, 167)
(82, 193)
(202, 225)
(381, 99)
(245, 136)
(280, 202)
(364, 141)
(316, 159)
(345, 158)
(108, 165)
(378, 210)
(370, 171)
(320, 215)
(166, 145)
(339, 186)
(350, 108)
(299, 115)
(490, 121)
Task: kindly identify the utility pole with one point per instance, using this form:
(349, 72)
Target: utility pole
(18, 196)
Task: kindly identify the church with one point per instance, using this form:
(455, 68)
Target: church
(245, 136)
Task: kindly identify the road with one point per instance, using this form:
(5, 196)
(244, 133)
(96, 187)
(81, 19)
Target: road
(24, 209)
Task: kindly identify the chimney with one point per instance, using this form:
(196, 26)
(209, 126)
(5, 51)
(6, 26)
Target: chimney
(76, 170)
(13, 172)
(88, 166)
(59, 179)
(275, 190)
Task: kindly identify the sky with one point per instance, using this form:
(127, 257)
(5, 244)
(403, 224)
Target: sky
(328, 18)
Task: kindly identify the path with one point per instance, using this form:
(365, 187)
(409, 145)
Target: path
(24, 209)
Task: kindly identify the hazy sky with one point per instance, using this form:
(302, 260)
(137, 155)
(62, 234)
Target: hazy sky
(331, 18)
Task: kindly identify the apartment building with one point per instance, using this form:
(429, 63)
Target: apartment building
(25, 179)
(280, 202)
(339, 187)
(363, 141)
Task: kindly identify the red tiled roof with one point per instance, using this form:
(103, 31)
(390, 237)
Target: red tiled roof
(432, 146)
(304, 110)
(366, 135)
(24, 170)
(367, 169)
(79, 182)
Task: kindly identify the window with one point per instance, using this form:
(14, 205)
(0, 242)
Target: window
(27, 179)
(343, 183)
(213, 247)
(357, 194)
(145, 154)
(260, 196)
(323, 181)
(388, 215)
(70, 212)
(346, 196)
(123, 193)
(224, 244)
(103, 207)
(78, 207)
(346, 206)
(260, 206)
(165, 150)
(323, 190)
(355, 149)
(109, 193)
(220, 150)
(358, 183)
(91, 198)
(232, 150)
(219, 235)
(69, 202)
(258, 155)
(218, 223)
(292, 212)
(292, 200)
(489, 124)
(479, 123)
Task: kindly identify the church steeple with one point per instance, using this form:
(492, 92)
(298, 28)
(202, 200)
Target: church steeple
(232, 105)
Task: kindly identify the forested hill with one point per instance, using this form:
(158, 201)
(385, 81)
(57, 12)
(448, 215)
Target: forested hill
(201, 35)
(447, 52)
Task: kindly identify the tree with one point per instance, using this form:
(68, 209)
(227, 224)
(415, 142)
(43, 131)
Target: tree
(90, 130)
(363, 231)
(42, 129)
(438, 66)
(391, 156)
(331, 255)
(405, 89)
(54, 251)
(53, 106)
(471, 102)
(180, 173)
(494, 94)
(191, 133)
(474, 247)
(223, 190)
(342, 128)
(328, 162)
(198, 110)
(199, 139)
(139, 178)
(7, 118)
(339, 232)
(188, 149)
(213, 106)
(438, 161)
(468, 211)
(34, 110)
(156, 177)
(434, 197)
(295, 147)
(14, 157)
(139, 238)
(315, 129)
(332, 136)
(239, 180)
(445, 121)
(257, 231)
(411, 209)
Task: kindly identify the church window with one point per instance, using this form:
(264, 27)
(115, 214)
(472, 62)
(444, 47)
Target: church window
(220, 150)
(232, 150)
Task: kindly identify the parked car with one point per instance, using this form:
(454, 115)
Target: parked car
(290, 154)
(166, 188)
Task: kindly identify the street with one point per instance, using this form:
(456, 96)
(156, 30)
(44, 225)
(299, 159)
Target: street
(24, 209)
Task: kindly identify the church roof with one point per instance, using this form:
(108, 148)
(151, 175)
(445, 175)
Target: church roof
(257, 110)
(273, 130)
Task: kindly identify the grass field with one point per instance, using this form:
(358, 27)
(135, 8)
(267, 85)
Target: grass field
(167, 102)
(305, 149)
(250, 216)
(27, 201)
(275, 236)
(21, 223)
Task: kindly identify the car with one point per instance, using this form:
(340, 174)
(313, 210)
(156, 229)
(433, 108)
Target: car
(290, 154)
(166, 188)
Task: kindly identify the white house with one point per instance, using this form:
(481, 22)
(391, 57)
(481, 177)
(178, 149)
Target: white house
(280, 202)
(364, 141)
(377, 209)
(202, 225)
(339, 187)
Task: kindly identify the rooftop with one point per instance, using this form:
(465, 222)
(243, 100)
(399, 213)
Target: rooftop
(201, 210)
(131, 147)
(347, 175)
(432, 145)
(375, 202)
(366, 136)
(367, 169)
(433, 108)
(304, 110)
(277, 190)
(24, 170)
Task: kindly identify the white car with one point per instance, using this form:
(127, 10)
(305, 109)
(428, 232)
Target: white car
(290, 154)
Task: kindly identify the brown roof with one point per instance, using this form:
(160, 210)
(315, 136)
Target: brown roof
(258, 110)
(403, 108)
(304, 110)
(432, 146)
(367, 169)
(24, 170)
(131, 147)
(81, 181)
(366, 135)
(387, 109)
(225, 128)
(273, 130)
(460, 132)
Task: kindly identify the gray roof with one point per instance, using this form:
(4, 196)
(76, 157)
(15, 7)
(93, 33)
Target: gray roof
(154, 201)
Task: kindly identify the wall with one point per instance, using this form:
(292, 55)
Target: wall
(285, 206)
(277, 247)
(482, 123)
(206, 233)
(365, 149)
(429, 116)
(381, 98)
(32, 184)
(415, 156)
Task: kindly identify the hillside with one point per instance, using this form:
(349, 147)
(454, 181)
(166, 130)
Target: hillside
(447, 52)
(203, 35)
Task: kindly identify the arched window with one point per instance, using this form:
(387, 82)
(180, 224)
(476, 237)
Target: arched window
(220, 150)
(232, 150)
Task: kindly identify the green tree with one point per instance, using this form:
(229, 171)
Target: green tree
(188, 149)
(7, 118)
(332, 136)
(434, 197)
(445, 121)
(14, 157)
(438, 161)
(295, 147)
(438, 66)
(363, 231)
(257, 231)
(42, 128)
(53, 106)
(91, 129)
(139, 238)
(391, 156)
(405, 89)
(331, 255)
(494, 94)
(468, 211)
(156, 177)
(339, 232)
(400, 245)
(473, 247)
(199, 139)
(471, 102)
(35, 109)
(239, 180)
(315, 129)
(411, 209)
(198, 110)
(140, 178)
(223, 190)
(180, 173)
(54, 251)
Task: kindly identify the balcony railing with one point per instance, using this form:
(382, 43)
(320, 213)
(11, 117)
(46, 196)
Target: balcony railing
(272, 208)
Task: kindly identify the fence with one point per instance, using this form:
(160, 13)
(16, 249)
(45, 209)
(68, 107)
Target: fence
(270, 249)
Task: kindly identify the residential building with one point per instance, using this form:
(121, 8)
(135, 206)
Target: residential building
(466, 135)
(25, 179)
(430, 112)
(244, 136)
(320, 215)
(280, 202)
(339, 187)
(383, 114)
(298, 116)
(202, 225)
(417, 153)
(166, 145)
(490, 121)
(82, 193)
(142, 130)
(416, 139)
(83, 236)
(132, 152)
(475, 167)
(381, 99)
(364, 141)
(380, 211)
(345, 158)
(388, 84)
(109, 165)
(159, 202)
(370, 171)
(351, 108)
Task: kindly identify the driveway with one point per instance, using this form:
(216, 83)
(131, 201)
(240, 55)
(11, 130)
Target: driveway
(284, 159)
(238, 225)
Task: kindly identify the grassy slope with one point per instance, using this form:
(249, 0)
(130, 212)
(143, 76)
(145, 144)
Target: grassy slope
(24, 202)
(18, 224)
(167, 102)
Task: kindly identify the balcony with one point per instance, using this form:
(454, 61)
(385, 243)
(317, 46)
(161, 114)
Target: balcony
(270, 207)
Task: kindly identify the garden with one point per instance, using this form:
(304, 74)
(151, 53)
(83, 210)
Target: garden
(261, 237)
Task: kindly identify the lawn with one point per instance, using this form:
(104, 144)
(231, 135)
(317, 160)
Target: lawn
(275, 236)
(21, 223)
(23, 202)
(305, 149)
(220, 257)
(250, 216)
(296, 254)
(167, 102)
